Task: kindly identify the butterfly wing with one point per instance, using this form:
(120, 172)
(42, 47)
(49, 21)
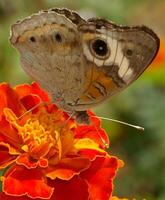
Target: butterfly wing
(82, 62)
(114, 57)
(50, 51)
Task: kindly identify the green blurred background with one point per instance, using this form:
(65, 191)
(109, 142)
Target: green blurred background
(143, 103)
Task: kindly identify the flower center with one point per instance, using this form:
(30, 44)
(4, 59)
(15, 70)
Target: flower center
(43, 134)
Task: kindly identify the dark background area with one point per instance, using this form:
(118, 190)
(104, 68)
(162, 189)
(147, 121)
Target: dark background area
(143, 103)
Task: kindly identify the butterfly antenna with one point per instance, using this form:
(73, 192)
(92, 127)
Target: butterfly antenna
(42, 103)
(121, 122)
(64, 124)
(31, 109)
(67, 120)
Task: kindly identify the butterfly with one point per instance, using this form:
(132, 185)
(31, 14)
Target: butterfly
(79, 62)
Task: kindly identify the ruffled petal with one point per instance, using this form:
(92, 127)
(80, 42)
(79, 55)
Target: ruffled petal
(86, 143)
(10, 99)
(30, 163)
(8, 133)
(5, 157)
(97, 134)
(3, 196)
(94, 119)
(21, 181)
(33, 89)
(100, 176)
(68, 167)
(91, 153)
(30, 101)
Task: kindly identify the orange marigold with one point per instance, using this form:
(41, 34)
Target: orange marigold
(160, 58)
(46, 155)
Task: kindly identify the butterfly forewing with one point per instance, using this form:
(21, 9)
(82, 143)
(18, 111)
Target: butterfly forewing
(50, 52)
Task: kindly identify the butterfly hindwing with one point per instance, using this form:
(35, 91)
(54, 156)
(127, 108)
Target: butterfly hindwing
(115, 56)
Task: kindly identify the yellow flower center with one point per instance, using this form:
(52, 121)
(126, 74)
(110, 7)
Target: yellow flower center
(43, 134)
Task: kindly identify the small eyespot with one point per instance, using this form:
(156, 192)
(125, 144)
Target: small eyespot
(129, 52)
(58, 37)
(32, 39)
(100, 48)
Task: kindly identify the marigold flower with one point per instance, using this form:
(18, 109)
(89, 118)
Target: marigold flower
(46, 155)
(160, 58)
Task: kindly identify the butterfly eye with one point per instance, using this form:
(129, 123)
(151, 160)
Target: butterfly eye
(99, 48)
(58, 37)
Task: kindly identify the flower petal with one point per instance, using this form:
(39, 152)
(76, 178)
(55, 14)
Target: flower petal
(94, 119)
(3, 196)
(21, 181)
(33, 89)
(74, 189)
(100, 176)
(5, 157)
(9, 98)
(24, 160)
(95, 133)
(87, 143)
(91, 153)
(30, 101)
(8, 133)
(68, 167)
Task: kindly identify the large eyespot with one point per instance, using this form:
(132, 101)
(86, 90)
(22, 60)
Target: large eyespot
(99, 48)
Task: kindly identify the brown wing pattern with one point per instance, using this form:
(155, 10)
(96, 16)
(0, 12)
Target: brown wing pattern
(114, 57)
